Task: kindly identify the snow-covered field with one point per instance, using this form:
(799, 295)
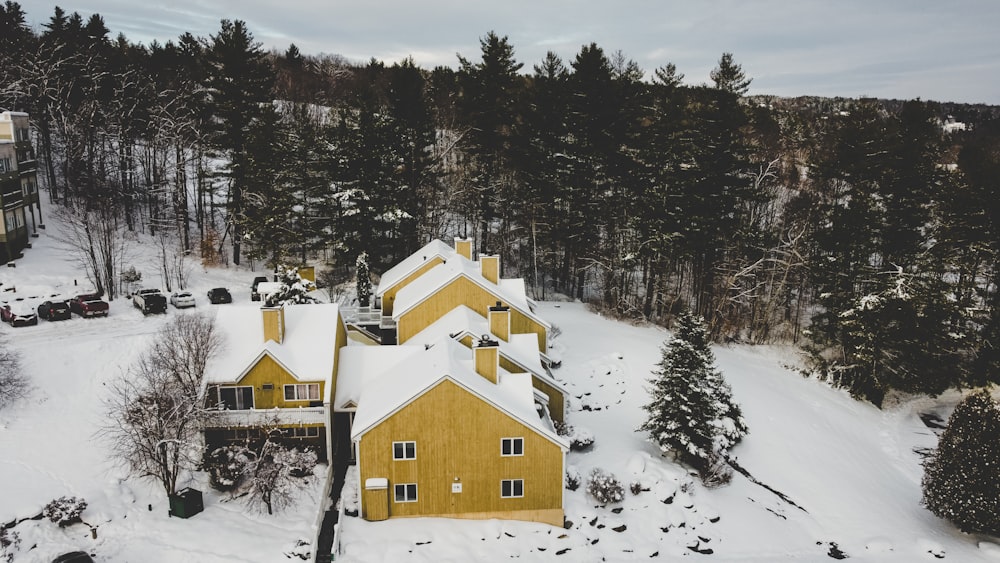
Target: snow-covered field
(852, 469)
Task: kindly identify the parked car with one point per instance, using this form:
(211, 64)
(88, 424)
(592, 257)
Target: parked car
(182, 299)
(57, 310)
(18, 314)
(254, 296)
(89, 305)
(219, 295)
(74, 557)
(149, 301)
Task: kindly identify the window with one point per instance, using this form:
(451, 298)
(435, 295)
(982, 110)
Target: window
(512, 488)
(236, 398)
(14, 219)
(5, 164)
(406, 492)
(404, 450)
(301, 432)
(511, 446)
(302, 392)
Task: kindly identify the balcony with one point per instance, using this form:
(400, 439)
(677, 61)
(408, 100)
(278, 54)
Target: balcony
(254, 418)
(27, 167)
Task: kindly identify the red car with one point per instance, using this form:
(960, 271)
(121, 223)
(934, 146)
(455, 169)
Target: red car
(89, 305)
(18, 314)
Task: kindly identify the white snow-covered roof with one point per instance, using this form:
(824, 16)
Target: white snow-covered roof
(522, 349)
(511, 292)
(361, 363)
(412, 263)
(307, 349)
(384, 394)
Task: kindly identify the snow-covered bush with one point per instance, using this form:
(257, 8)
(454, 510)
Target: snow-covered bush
(579, 438)
(605, 487)
(65, 510)
(294, 288)
(573, 478)
(717, 472)
(962, 477)
(635, 487)
(364, 281)
(226, 466)
(301, 463)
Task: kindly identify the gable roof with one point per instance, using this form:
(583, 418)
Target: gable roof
(510, 291)
(306, 352)
(412, 263)
(522, 349)
(382, 395)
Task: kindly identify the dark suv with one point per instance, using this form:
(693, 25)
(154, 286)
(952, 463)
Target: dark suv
(219, 295)
(54, 310)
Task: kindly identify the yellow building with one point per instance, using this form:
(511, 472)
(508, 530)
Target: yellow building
(276, 372)
(442, 430)
(18, 184)
(476, 285)
(412, 267)
(518, 352)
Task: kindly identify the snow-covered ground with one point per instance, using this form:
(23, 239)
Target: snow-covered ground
(852, 469)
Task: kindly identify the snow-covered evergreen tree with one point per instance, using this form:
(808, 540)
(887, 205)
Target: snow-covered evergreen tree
(364, 281)
(294, 288)
(962, 478)
(692, 414)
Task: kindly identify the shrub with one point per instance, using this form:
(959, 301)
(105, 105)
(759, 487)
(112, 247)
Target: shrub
(572, 478)
(65, 510)
(580, 439)
(605, 487)
(13, 384)
(226, 467)
(635, 487)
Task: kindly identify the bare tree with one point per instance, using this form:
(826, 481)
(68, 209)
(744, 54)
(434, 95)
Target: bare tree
(155, 411)
(271, 477)
(13, 383)
(97, 240)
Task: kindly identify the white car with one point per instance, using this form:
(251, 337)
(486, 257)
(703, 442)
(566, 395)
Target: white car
(182, 299)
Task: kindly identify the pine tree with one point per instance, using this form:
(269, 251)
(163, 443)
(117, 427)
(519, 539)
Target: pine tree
(364, 280)
(692, 414)
(294, 288)
(962, 477)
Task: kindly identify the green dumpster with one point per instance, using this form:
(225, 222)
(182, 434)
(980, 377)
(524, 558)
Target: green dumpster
(186, 502)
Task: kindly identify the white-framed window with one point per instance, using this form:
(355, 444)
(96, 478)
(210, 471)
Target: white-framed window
(301, 432)
(302, 392)
(5, 165)
(512, 488)
(404, 450)
(405, 492)
(511, 446)
(236, 398)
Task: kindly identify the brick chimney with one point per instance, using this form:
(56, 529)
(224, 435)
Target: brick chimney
(463, 246)
(499, 318)
(490, 267)
(486, 356)
(274, 323)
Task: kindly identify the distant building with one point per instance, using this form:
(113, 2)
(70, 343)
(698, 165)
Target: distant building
(18, 185)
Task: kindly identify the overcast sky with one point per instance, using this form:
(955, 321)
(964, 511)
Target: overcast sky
(945, 50)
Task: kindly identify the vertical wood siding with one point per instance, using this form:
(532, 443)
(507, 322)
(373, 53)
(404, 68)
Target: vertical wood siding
(389, 297)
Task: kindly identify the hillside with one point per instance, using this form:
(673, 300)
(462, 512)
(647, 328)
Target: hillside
(854, 470)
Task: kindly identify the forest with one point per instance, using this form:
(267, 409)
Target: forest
(862, 230)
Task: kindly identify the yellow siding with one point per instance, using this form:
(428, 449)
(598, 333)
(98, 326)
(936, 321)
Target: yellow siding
(490, 267)
(458, 435)
(461, 291)
(274, 323)
(463, 247)
(389, 297)
(269, 371)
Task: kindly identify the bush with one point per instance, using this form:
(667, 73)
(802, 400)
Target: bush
(635, 487)
(605, 487)
(572, 478)
(962, 477)
(580, 439)
(716, 472)
(65, 510)
(301, 463)
(226, 467)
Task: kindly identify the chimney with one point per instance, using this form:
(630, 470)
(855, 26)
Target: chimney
(499, 318)
(274, 323)
(490, 267)
(486, 356)
(463, 246)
